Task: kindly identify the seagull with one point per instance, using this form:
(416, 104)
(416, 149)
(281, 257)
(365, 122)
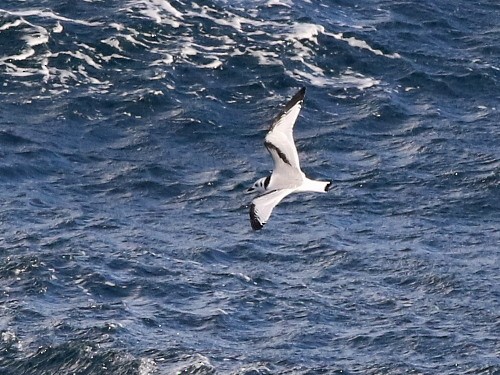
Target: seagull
(287, 177)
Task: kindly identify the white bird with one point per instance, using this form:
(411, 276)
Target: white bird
(287, 177)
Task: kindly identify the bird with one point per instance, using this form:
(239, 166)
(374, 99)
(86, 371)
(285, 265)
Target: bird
(286, 177)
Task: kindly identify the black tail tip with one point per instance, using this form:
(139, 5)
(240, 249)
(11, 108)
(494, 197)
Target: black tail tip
(329, 186)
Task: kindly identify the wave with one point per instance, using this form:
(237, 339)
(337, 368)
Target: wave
(55, 52)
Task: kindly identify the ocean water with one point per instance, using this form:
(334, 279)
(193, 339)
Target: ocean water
(130, 130)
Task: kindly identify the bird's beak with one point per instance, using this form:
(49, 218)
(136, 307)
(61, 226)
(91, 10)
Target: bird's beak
(249, 190)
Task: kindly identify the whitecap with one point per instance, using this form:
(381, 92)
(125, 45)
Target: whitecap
(25, 54)
(352, 79)
(281, 3)
(48, 14)
(147, 366)
(307, 31)
(58, 28)
(8, 25)
(216, 63)
(312, 79)
(164, 4)
(265, 57)
(188, 51)
(117, 26)
(81, 56)
(112, 42)
(63, 75)
(160, 11)
(348, 79)
(167, 60)
(358, 43)
(134, 41)
(37, 39)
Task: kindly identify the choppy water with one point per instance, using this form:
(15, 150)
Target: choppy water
(130, 130)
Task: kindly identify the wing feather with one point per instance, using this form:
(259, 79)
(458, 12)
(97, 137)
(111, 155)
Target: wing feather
(279, 140)
(262, 207)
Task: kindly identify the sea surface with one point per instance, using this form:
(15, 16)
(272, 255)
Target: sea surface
(131, 129)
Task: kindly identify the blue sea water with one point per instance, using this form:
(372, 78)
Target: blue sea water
(130, 130)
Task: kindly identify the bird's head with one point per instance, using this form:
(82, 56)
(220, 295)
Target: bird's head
(260, 185)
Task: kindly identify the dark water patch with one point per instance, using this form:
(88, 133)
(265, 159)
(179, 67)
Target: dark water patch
(85, 358)
(9, 138)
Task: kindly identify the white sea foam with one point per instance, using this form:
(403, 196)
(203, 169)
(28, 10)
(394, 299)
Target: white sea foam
(216, 63)
(35, 36)
(25, 54)
(48, 14)
(164, 4)
(353, 42)
(134, 41)
(117, 26)
(352, 79)
(226, 18)
(37, 39)
(63, 75)
(8, 25)
(161, 11)
(347, 79)
(282, 3)
(166, 60)
(44, 68)
(58, 28)
(270, 42)
(113, 42)
(80, 55)
(307, 31)
(94, 81)
(113, 56)
(267, 52)
(15, 71)
(147, 366)
(188, 51)
(265, 57)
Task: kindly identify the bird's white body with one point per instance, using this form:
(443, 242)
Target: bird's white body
(287, 177)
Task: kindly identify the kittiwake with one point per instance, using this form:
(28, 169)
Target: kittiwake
(287, 177)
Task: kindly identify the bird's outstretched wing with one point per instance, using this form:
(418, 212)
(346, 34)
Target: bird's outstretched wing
(262, 206)
(279, 140)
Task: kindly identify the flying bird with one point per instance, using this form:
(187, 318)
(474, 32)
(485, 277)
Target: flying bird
(287, 177)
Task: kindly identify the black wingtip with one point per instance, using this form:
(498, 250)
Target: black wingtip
(299, 96)
(328, 186)
(254, 220)
(256, 225)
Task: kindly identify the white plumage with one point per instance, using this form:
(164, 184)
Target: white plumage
(287, 177)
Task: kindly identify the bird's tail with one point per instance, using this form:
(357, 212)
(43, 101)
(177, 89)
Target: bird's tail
(315, 186)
